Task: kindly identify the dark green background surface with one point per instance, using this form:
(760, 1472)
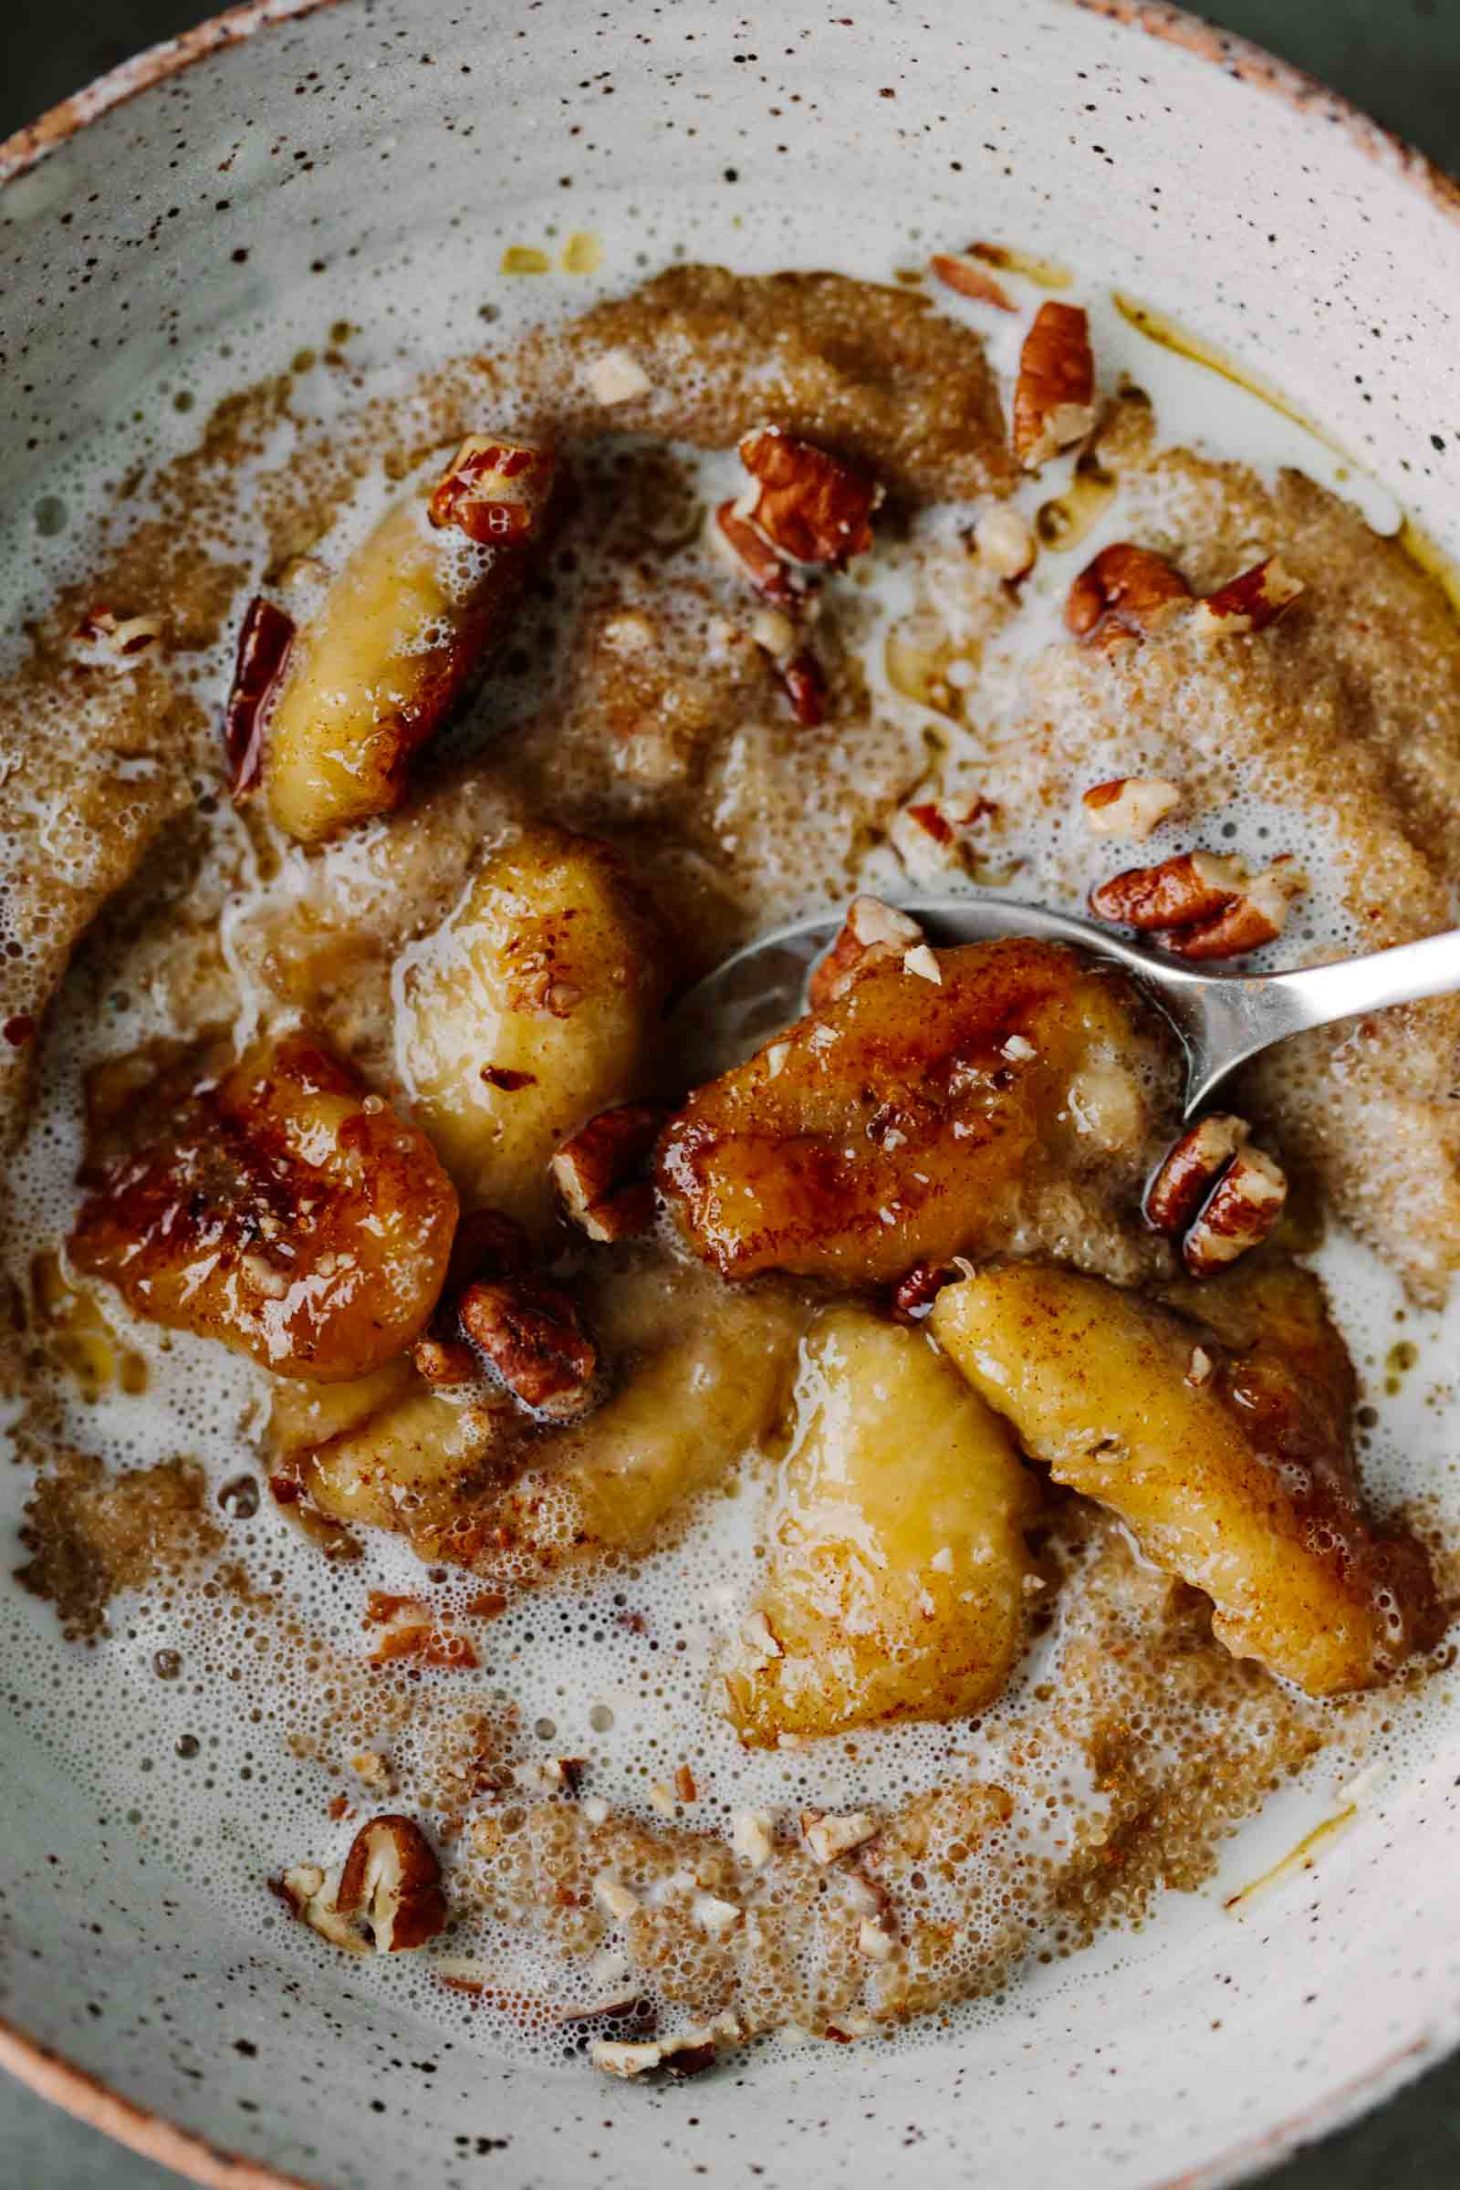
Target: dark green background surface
(1398, 58)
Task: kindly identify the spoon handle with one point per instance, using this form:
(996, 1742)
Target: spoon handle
(1314, 996)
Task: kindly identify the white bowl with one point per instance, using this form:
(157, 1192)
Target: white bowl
(1151, 152)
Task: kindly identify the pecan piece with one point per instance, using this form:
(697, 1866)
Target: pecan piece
(264, 645)
(811, 507)
(1129, 806)
(1122, 595)
(1191, 1168)
(1004, 541)
(805, 683)
(1178, 893)
(105, 640)
(494, 491)
(1258, 916)
(1054, 396)
(602, 1171)
(1241, 1210)
(871, 932)
(1249, 602)
(531, 1334)
(392, 1883)
(770, 576)
(408, 1628)
(913, 1297)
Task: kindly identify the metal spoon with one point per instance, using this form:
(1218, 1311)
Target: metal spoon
(1221, 1019)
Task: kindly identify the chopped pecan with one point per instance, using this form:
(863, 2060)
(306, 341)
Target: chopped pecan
(1191, 1168)
(392, 1883)
(1241, 1210)
(616, 376)
(913, 1297)
(494, 491)
(264, 644)
(1178, 893)
(967, 278)
(408, 1628)
(304, 1891)
(104, 640)
(1257, 916)
(1054, 396)
(805, 683)
(931, 836)
(827, 1837)
(1122, 595)
(1249, 602)
(1004, 540)
(778, 581)
(690, 2054)
(871, 932)
(531, 1334)
(1129, 806)
(810, 506)
(602, 1171)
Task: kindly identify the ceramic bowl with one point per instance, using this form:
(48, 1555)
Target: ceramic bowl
(193, 218)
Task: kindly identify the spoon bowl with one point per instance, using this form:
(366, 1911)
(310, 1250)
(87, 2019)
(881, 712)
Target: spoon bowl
(1221, 1019)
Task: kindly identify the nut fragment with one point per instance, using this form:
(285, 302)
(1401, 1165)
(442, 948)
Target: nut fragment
(912, 1300)
(1054, 396)
(1004, 540)
(265, 641)
(304, 1892)
(616, 376)
(931, 836)
(1122, 596)
(614, 1898)
(715, 1916)
(532, 1336)
(810, 506)
(1256, 917)
(805, 683)
(872, 931)
(1178, 893)
(392, 1882)
(828, 1837)
(874, 1940)
(1129, 806)
(922, 962)
(1244, 1206)
(1191, 1168)
(601, 1172)
(690, 2054)
(104, 640)
(1248, 602)
(751, 1837)
(966, 278)
(408, 1628)
(756, 558)
(494, 491)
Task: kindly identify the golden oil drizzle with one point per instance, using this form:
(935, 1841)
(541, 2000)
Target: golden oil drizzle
(1044, 273)
(1299, 1858)
(1171, 335)
(79, 1335)
(582, 253)
(1424, 550)
(525, 258)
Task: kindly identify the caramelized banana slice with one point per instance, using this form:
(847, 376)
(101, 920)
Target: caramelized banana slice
(703, 1375)
(389, 651)
(276, 1205)
(1232, 1469)
(528, 1011)
(700, 1373)
(897, 1557)
(997, 1097)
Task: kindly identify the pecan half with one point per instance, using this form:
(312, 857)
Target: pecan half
(392, 1882)
(1241, 1210)
(602, 1171)
(494, 491)
(1178, 893)
(1257, 916)
(1191, 1168)
(871, 932)
(967, 278)
(1121, 597)
(264, 643)
(810, 506)
(1054, 396)
(531, 1334)
(1129, 806)
(1249, 602)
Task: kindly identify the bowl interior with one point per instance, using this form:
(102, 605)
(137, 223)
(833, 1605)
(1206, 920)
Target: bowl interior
(371, 163)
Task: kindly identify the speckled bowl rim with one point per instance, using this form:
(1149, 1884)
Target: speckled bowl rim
(87, 2097)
